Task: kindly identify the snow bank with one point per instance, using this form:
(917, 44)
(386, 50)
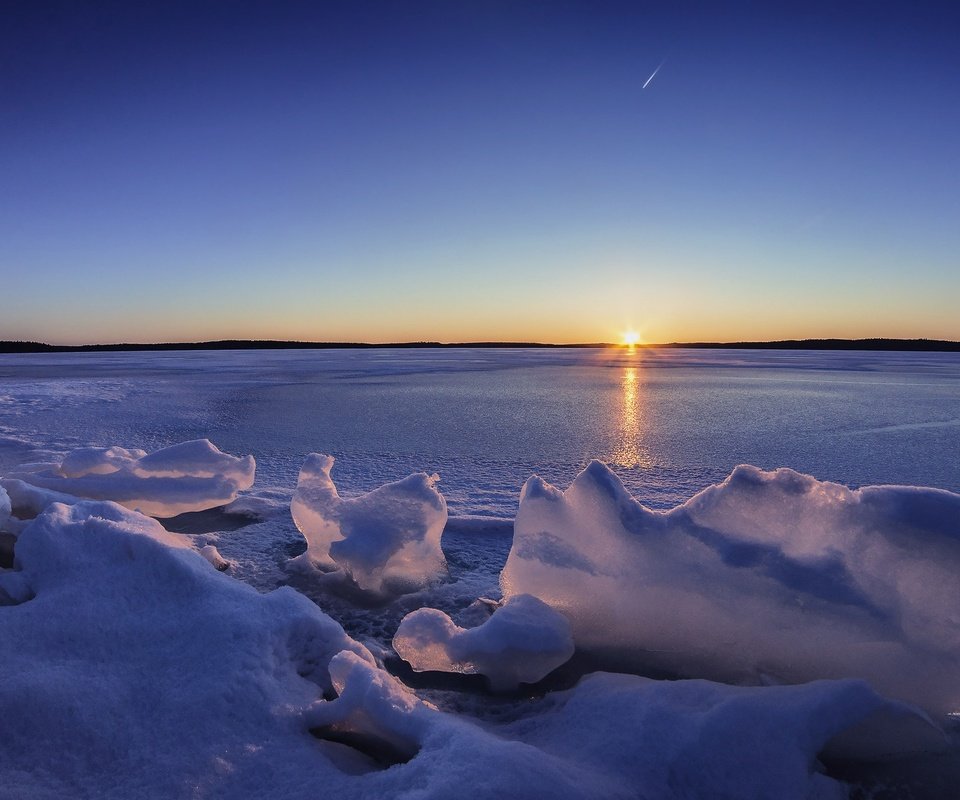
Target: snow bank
(523, 641)
(767, 577)
(385, 540)
(615, 736)
(132, 668)
(191, 476)
(697, 739)
(140, 671)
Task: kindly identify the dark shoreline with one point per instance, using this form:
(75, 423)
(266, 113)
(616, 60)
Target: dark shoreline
(906, 345)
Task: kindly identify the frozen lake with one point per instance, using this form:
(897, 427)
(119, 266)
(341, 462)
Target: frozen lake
(670, 422)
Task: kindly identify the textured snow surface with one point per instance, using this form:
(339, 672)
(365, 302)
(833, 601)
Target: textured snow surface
(132, 668)
(767, 577)
(523, 641)
(191, 476)
(140, 671)
(387, 539)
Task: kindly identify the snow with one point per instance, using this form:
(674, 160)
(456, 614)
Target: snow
(613, 736)
(131, 667)
(767, 577)
(371, 704)
(141, 671)
(190, 476)
(695, 738)
(5, 508)
(523, 641)
(99, 461)
(27, 501)
(385, 540)
(260, 504)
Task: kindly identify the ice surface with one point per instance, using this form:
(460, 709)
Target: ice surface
(523, 641)
(190, 476)
(387, 539)
(485, 420)
(767, 577)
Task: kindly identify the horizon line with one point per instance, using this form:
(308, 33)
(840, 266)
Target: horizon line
(871, 343)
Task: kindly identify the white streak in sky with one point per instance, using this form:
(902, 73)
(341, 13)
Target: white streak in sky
(647, 83)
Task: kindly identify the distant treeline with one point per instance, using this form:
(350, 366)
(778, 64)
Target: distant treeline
(251, 344)
(934, 345)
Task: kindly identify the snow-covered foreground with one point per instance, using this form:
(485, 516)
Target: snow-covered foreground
(133, 667)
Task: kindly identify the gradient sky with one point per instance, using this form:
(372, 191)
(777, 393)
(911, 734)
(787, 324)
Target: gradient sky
(478, 170)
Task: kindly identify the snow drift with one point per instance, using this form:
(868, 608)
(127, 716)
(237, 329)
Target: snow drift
(387, 539)
(523, 641)
(615, 736)
(132, 668)
(767, 577)
(190, 476)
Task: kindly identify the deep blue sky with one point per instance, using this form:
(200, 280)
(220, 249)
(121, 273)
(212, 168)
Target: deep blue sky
(454, 170)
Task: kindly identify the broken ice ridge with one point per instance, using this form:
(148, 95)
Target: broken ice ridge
(768, 576)
(190, 476)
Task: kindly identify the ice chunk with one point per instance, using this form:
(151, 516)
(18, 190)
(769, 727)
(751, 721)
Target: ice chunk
(386, 539)
(191, 476)
(523, 641)
(371, 707)
(98, 461)
(212, 555)
(261, 505)
(5, 508)
(28, 501)
(766, 576)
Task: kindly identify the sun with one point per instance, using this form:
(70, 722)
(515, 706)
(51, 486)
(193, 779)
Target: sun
(631, 338)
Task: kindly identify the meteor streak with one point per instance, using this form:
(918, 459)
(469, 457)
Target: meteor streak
(647, 83)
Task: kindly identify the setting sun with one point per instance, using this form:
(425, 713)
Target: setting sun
(631, 338)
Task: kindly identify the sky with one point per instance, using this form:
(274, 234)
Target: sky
(464, 171)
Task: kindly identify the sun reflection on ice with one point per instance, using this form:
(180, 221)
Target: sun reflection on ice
(630, 451)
